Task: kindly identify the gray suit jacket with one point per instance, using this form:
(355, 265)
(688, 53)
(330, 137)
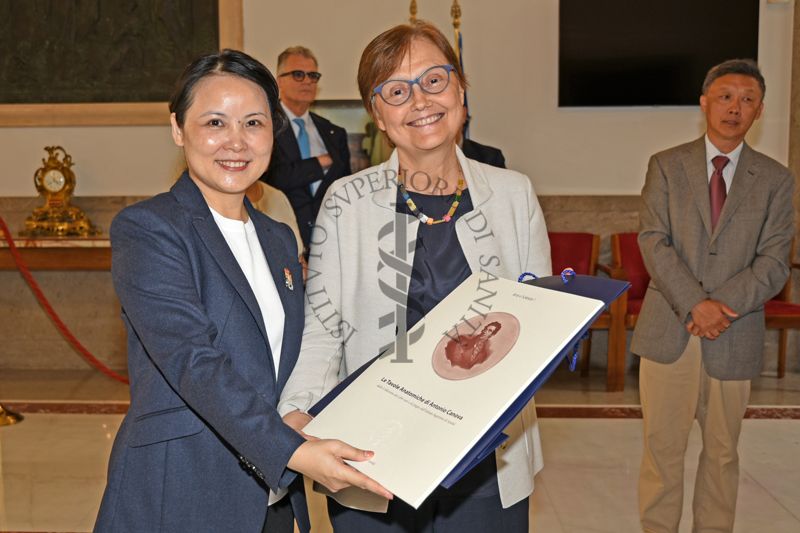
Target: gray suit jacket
(743, 263)
(203, 383)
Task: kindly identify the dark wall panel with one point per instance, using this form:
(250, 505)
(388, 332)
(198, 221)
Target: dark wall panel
(87, 51)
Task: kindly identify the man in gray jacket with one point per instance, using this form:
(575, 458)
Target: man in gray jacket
(716, 229)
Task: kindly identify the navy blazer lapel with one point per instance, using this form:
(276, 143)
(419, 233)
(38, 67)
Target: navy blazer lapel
(326, 132)
(286, 283)
(288, 143)
(696, 171)
(190, 197)
(743, 180)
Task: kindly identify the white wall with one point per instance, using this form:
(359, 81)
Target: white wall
(564, 151)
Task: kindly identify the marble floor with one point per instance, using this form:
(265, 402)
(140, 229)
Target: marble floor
(52, 465)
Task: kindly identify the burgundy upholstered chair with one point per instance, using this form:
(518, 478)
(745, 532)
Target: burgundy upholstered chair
(626, 256)
(783, 315)
(627, 264)
(580, 251)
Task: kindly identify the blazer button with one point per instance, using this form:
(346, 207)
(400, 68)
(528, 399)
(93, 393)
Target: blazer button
(504, 445)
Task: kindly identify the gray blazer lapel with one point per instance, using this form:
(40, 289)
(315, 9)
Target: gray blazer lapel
(696, 172)
(743, 180)
(326, 133)
(466, 226)
(288, 143)
(478, 183)
(386, 195)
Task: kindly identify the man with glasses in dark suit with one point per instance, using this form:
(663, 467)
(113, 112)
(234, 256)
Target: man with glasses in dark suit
(311, 154)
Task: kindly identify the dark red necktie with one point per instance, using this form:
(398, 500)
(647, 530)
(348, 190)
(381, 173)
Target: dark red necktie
(717, 192)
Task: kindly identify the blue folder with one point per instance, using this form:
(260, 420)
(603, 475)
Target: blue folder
(603, 289)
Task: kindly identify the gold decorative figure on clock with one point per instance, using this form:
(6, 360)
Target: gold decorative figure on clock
(55, 182)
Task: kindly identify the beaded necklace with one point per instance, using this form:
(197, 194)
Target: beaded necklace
(425, 219)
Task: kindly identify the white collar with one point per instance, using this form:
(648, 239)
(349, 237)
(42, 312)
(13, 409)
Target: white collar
(231, 224)
(304, 117)
(712, 152)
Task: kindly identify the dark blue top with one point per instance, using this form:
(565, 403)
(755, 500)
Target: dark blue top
(439, 262)
(439, 267)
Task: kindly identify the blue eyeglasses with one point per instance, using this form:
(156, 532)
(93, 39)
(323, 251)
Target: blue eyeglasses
(432, 81)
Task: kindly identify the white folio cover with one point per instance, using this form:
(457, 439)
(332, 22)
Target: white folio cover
(480, 348)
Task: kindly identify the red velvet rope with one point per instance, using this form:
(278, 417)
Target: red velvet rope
(62, 328)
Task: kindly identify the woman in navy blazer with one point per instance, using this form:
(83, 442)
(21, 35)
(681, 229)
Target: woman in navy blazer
(210, 343)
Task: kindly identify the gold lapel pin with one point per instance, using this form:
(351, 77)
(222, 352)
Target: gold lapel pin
(287, 277)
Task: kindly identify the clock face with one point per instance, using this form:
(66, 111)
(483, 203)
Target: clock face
(53, 180)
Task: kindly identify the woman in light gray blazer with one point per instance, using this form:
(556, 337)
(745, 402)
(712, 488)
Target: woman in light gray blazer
(394, 240)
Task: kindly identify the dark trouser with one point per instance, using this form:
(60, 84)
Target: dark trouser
(282, 514)
(280, 518)
(471, 505)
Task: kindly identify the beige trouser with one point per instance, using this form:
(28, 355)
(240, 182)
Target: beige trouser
(672, 396)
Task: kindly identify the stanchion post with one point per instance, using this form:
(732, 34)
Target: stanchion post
(9, 417)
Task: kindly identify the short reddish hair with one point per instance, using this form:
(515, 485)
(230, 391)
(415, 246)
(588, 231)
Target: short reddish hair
(383, 55)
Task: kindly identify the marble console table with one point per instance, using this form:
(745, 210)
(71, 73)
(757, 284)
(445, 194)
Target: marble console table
(70, 253)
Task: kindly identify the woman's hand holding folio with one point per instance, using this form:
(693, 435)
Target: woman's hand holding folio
(323, 460)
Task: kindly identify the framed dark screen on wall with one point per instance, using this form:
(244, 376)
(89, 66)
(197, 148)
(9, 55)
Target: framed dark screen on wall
(648, 52)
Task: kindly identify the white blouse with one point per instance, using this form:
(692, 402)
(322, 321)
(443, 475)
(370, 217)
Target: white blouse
(243, 242)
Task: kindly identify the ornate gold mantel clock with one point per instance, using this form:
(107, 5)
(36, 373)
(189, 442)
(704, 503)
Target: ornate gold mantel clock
(55, 182)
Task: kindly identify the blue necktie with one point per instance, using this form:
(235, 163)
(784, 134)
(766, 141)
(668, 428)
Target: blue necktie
(305, 150)
(302, 138)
